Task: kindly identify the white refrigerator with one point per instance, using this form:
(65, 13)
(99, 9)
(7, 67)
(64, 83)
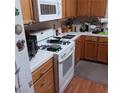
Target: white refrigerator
(23, 78)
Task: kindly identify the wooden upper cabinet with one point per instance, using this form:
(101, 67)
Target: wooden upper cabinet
(83, 7)
(63, 8)
(98, 8)
(69, 8)
(91, 8)
(27, 13)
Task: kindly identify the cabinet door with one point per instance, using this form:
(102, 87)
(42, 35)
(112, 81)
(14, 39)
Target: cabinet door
(82, 46)
(38, 87)
(83, 7)
(98, 8)
(70, 8)
(50, 89)
(45, 83)
(63, 8)
(78, 50)
(102, 52)
(27, 13)
(90, 50)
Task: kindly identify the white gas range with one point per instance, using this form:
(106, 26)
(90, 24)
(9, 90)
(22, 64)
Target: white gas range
(63, 51)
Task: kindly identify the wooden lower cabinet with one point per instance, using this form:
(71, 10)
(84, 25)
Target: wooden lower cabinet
(90, 52)
(45, 84)
(38, 87)
(78, 48)
(102, 55)
(82, 49)
(92, 48)
(50, 89)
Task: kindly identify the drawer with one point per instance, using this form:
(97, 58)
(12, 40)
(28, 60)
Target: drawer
(47, 78)
(42, 84)
(103, 40)
(41, 70)
(91, 38)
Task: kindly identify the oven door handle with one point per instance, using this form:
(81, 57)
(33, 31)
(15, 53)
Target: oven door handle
(61, 61)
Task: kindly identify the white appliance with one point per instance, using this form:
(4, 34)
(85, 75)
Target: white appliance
(64, 57)
(65, 65)
(23, 78)
(45, 10)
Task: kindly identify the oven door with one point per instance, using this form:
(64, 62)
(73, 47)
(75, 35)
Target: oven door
(66, 71)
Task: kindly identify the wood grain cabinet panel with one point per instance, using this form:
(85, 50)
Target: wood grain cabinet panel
(27, 13)
(102, 55)
(82, 46)
(50, 89)
(92, 48)
(83, 7)
(63, 8)
(78, 48)
(44, 83)
(91, 8)
(69, 8)
(98, 8)
(42, 70)
(90, 52)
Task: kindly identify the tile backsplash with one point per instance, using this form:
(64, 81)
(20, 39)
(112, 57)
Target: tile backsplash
(59, 23)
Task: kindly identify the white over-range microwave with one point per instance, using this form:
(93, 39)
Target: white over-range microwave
(45, 10)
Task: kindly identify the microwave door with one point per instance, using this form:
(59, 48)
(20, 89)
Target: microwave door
(47, 10)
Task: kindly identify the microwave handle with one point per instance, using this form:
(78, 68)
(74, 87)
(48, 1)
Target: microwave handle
(61, 61)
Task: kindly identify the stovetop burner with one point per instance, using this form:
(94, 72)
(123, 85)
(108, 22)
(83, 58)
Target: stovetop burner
(54, 41)
(58, 41)
(68, 36)
(53, 47)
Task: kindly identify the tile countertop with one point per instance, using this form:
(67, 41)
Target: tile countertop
(40, 58)
(81, 33)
